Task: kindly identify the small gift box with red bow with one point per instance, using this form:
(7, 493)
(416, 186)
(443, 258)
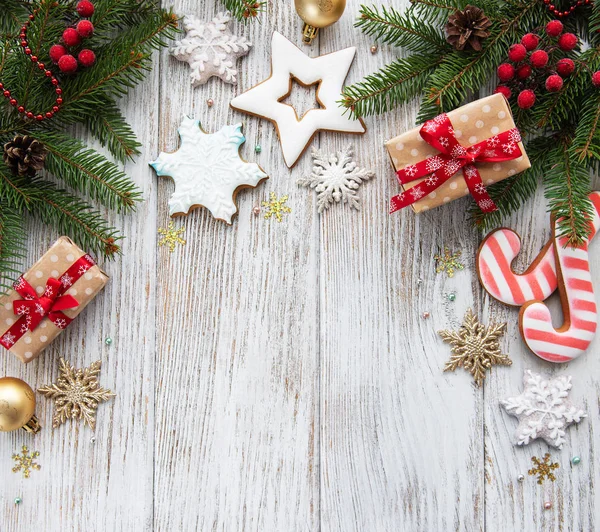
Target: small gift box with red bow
(456, 154)
(47, 298)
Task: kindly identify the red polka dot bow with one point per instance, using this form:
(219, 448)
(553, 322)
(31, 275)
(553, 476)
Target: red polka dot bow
(453, 157)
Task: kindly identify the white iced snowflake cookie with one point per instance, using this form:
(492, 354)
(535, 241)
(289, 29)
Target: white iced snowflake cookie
(210, 49)
(335, 178)
(287, 62)
(543, 409)
(208, 170)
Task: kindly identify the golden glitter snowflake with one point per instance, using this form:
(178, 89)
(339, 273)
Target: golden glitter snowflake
(448, 262)
(25, 462)
(543, 468)
(76, 394)
(172, 236)
(475, 347)
(276, 207)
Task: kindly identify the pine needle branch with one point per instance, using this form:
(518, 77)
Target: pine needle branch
(244, 10)
(12, 245)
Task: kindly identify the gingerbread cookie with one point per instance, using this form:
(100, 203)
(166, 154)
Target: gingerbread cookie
(265, 99)
(557, 265)
(210, 49)
(208, 170)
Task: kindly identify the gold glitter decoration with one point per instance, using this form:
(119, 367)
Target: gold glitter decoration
(172, 237)
(543, 468)
(76, 394)
(448, 262)
(25, 462)
(475, 347)
(276, 207)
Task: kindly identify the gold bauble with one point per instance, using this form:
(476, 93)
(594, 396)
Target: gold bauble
(17, 406)
(318, 14)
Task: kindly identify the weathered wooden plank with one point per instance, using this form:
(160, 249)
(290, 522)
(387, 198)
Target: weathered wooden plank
(237, 374)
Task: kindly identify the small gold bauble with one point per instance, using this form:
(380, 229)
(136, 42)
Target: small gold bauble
(318, 14)
(17, 406)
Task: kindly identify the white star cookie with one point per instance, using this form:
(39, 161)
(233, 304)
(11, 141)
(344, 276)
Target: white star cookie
(287, 62)
(208, 170)
(543, 409)
(210, 49)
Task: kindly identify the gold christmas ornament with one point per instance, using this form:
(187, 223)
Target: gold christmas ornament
(318, 14)
(17, 406)
(475, 347)
(77, 394)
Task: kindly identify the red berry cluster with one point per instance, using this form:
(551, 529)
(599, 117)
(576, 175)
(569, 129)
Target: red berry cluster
(72, 38)
(530, 67)
(34, 59)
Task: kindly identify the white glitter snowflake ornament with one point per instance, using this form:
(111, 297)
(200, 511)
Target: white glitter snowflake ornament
(210, 49)
(208, 170)
(335, 178)
(543, 409)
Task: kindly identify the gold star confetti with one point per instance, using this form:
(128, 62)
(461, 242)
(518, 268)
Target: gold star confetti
(543, 468)
(475, 347)
(76, 394)
(172, 237)
(276, 207)
(448, 262)
(25, 462)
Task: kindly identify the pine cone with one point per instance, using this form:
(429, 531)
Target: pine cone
(24, 155)
(468, 28)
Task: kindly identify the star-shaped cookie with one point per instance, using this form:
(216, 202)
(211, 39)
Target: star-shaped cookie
(543, 409)
(208, 170)
(210, 49)
(289, 62)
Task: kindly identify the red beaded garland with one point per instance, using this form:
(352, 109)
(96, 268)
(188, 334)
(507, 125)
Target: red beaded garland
(557, 12)
(6, 93)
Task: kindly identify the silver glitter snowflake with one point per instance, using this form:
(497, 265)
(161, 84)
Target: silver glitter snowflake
(543, 409)
(335, 178)
(210, 49)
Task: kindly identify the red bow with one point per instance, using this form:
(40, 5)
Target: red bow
(453, 157)
(50, 304)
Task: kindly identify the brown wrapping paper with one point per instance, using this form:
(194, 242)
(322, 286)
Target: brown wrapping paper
(53, 263)
(472, 123)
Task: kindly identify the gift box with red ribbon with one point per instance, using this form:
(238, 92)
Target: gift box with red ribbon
(47, 298)
(456, 154)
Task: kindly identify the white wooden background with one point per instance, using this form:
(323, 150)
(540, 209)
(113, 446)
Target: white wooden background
(279, 377)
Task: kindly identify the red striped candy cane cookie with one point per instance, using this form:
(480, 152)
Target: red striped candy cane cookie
(497, 253)
(578, 305)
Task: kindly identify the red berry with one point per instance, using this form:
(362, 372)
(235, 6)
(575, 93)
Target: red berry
(539, 59)
(71, 37)
(86, 58)
(56, 52)
(85, 8)
(567, 41)
(504, 90)
(517, 52)
(554, 28)
(67, 64)
(85, 28)
(506, 72)
(554, 83)
(524, 71)
(530, 41)
(526, 99)
(596, 78)
(565, 67)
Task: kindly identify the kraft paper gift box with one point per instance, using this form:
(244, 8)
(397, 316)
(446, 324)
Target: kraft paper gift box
(472, 123)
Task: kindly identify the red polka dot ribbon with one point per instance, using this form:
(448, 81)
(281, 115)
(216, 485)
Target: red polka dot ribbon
(453, 157)
(32, 309)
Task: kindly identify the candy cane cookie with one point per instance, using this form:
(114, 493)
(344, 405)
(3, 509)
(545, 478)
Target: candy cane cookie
(497, 253)
(578, 306)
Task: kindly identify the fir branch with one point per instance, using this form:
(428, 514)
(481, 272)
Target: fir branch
(407, 31)
(12, 245)
(87, 171)
(396, 83)
(244, 10)
(586, 143)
